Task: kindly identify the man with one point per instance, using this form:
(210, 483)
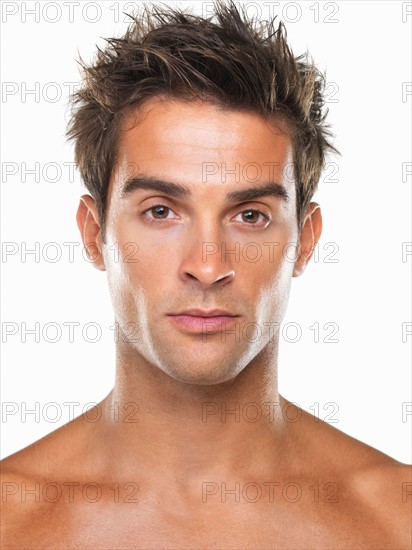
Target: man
(194, 252)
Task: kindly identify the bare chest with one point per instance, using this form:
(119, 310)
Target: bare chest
(221, 526)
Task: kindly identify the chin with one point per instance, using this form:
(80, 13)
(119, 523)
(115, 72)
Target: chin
(202, 375)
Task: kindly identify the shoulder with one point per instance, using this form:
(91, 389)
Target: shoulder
(38, 484)
(374, 488)
(20, 502)
(385, 490)
(60, 454)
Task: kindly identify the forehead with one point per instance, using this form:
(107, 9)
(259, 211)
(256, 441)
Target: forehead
(194, 143)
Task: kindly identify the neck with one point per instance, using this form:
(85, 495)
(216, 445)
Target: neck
(174, 428)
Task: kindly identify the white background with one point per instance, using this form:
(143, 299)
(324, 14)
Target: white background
(365, 49)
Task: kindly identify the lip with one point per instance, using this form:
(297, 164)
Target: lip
(204, 325)
(204, 313)
(201, 321)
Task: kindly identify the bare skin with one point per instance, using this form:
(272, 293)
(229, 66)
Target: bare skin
(175, 456)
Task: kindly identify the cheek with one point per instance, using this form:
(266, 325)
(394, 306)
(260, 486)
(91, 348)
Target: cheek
(272, 257)
(271, 277)
(134, 266)
(268, 281)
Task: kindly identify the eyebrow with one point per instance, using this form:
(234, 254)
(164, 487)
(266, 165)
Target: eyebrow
(172, 189)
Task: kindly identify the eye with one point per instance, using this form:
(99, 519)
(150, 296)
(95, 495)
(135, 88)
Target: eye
(160, 212)
(251, 217)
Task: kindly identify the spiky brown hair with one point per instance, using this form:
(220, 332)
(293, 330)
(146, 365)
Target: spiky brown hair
(224, 59)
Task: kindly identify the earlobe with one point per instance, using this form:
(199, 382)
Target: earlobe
(309, 237)
(88, 223)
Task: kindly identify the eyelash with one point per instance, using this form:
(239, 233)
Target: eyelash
(156, 220)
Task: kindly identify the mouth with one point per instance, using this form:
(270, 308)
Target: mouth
(201, 321)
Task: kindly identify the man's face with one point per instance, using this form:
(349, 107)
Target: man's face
(205, 250)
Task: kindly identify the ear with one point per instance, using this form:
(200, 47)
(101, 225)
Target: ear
(88, 223)
(309, 237)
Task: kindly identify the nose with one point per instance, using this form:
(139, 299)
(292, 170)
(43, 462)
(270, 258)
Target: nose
(207, 259)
